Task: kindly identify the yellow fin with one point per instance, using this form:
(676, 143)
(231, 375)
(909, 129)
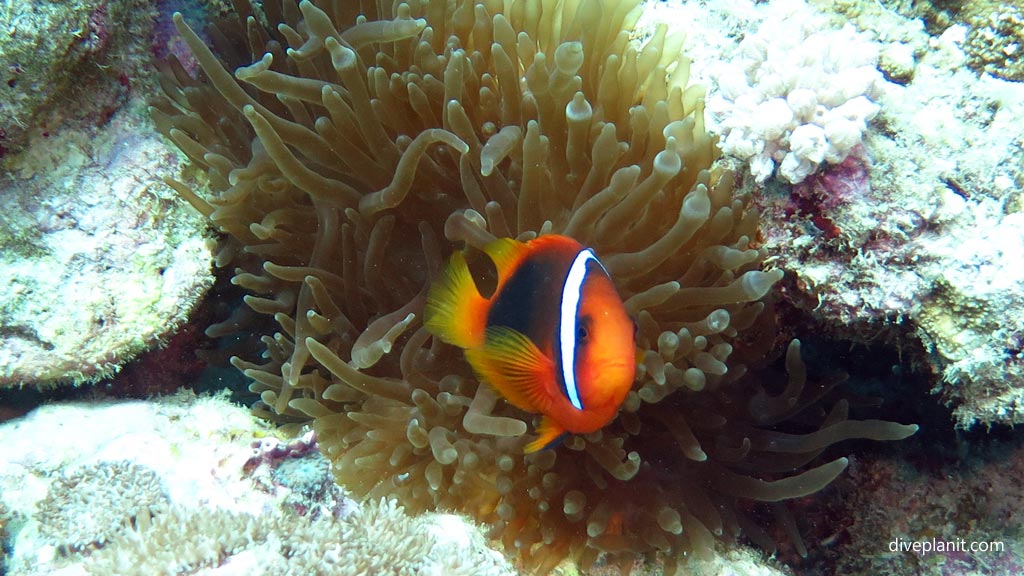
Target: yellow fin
(513, 365)
(506, 253)
(455, 311)
(550, 433)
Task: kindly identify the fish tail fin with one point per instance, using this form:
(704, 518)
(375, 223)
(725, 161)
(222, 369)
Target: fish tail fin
(550, 435)
(455, 311)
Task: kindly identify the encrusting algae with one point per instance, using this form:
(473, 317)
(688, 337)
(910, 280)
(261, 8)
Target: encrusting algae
(356, 145)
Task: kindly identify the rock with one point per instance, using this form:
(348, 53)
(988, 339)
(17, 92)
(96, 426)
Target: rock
(101, 261)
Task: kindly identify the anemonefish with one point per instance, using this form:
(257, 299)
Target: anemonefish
(552, 339)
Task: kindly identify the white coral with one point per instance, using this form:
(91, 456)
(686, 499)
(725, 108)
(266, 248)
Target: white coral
(798, 93)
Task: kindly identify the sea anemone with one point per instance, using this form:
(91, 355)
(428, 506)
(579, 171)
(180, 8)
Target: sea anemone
(355, 146)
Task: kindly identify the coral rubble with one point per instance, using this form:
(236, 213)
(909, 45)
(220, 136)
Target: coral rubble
(347, 153)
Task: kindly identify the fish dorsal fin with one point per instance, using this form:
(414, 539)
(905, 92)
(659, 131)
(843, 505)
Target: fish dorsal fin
(513, 365)
(506, 253)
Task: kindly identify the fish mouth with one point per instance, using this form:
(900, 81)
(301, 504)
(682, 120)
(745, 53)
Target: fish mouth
(614, 366)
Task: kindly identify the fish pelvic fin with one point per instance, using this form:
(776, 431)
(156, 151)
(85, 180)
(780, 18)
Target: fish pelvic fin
(513, 365)
(455, 311)
(550, 434)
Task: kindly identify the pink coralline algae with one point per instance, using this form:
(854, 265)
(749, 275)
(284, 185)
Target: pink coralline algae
(98, 32)
(165, 39)
(818, 197)
(270, 451)
(849, 246)
(296, 470)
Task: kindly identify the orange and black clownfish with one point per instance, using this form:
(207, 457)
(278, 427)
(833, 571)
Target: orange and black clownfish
(553, 339)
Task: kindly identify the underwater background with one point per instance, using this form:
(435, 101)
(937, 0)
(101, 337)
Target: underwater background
(219, 220)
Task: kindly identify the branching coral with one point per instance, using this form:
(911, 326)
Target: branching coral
(356, 150)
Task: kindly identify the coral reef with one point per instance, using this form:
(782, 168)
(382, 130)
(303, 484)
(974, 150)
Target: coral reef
(347, 155)
(298, 471)
(68, 60)
(378, 538)
(971, 497)
(819, 198)
(995, 43)
(797, 93)
(166, 487)
(102, 262)
(102, 265)
(913, 240)
(5, 518)
(270, 451)
(175, 363)
(919, 246)
(88, 506)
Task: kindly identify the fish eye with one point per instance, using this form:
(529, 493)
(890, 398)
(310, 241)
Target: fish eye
(582, 328)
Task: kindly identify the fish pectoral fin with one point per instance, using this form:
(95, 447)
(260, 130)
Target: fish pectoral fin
(550, 434)
(513, 365)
